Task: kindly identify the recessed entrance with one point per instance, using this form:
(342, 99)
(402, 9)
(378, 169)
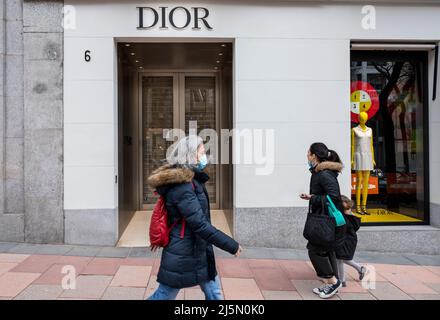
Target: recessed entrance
(164, 86)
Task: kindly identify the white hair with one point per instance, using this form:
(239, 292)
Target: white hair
(184, 151)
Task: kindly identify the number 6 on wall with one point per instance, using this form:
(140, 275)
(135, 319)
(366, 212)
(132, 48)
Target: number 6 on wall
(87, 57)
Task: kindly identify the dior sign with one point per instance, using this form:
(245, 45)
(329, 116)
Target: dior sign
(176, 17)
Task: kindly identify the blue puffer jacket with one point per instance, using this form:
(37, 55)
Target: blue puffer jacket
(189, 261)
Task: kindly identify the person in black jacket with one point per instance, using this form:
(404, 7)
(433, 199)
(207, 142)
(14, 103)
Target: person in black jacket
(325, 165)
(345, 253)
(188, 261)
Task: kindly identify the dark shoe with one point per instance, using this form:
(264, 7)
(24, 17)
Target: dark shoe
(330, 290)
(344, 284)
(320, 289)
(362, 273)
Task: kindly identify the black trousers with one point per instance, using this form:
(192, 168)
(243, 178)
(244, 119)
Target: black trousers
(323, 261)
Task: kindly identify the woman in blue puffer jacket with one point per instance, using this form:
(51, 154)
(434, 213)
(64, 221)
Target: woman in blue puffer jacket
(188, 261)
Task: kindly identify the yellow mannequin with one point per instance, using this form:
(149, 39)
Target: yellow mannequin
(362, 176)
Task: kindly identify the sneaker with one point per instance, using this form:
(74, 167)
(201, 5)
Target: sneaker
(344, 284)
(330, 290)
(318, 290)
(362, 273)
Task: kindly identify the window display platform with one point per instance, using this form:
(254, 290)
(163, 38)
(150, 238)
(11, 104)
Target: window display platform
(383, 215)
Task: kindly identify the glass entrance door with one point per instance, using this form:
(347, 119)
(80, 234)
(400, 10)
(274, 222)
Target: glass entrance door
(171, 101)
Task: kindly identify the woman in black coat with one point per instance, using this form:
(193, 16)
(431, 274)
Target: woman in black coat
(188, 261)
(324, 165)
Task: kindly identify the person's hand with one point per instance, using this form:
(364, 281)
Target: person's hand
(240, 249)
(154, 248)
(305, 196)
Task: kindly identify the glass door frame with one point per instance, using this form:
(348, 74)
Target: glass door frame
(422, 56)
(178, 119)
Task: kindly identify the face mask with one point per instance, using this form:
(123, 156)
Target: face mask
(203, 161)
(310, 164)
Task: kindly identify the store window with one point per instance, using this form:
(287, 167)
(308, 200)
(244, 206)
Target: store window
(389, 150)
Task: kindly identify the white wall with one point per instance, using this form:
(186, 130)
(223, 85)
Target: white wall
(291, 72)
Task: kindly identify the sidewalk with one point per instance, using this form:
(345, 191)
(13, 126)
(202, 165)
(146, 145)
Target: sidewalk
(29, 271)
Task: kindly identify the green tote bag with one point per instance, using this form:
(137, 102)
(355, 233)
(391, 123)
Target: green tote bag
(335, 213)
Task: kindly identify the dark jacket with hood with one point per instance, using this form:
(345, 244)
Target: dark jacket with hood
(189, 261)
(347, 250)
(324, 181)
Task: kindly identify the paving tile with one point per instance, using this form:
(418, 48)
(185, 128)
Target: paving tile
(54, 275)
(40, 292)
(36, 263)
(151, 287)
(13, 257)
(273, 279)
(353, 287)
(102, 266)
(132, 276)
(425, 260)
(262, 263)
(305, 287)
(257, 253)
(52, 249)
(12, 283)
(194, 294)
(241, 289)
(112, 252)
(426, 296)
(434, 269)
(371, 257)
(84, 251)
(156, 266)
(24, 248)
(299, 270)
(6, 266)
(387, 291)
(434, 286)
(123, 293)
(290, 254)
(408, 284)
(6, 246)
(143, 252)
(138, 262)
(88, 287)
(421, 274)
(281, 295)
(355, 296)
(234, 268)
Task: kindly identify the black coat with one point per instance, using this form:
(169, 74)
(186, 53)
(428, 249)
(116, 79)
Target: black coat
(324, 181)
(189, 261)
(347, 250)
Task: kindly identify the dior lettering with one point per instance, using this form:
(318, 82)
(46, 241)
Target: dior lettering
(177, 17)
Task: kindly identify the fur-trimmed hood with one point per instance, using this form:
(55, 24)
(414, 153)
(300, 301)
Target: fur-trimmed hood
(329, 165)
(169, 174)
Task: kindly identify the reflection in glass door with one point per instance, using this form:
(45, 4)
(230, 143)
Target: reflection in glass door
(171, 100)
(200, 106)
(157, 114)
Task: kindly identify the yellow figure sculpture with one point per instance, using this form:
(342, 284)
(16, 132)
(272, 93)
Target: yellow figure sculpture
(362, 160)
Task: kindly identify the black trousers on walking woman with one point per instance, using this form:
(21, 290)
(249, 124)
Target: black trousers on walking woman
(323, 260)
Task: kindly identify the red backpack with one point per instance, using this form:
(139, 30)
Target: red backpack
(159, 230)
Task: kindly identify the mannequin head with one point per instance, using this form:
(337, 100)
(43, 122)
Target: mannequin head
(363, 118)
